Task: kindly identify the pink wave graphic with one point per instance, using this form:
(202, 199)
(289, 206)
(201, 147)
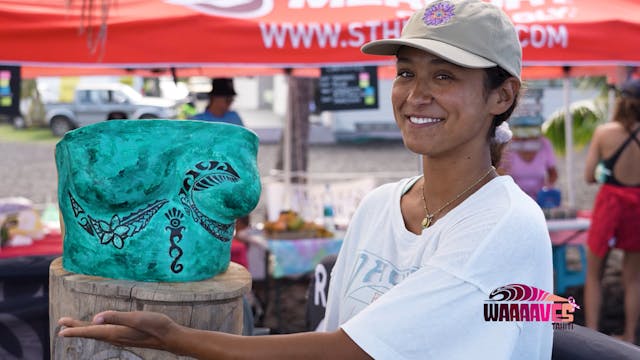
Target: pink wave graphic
(522, 292)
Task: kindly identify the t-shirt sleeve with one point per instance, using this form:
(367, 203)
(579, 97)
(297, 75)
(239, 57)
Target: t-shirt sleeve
(331, 316)
(431, 315)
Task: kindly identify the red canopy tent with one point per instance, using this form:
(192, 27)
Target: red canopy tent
(261, 36)
(267, 34)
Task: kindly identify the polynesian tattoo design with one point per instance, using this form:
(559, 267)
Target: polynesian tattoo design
(204, 176)
(175, 227)
(117, 230)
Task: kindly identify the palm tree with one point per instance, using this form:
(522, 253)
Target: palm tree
(585, 115)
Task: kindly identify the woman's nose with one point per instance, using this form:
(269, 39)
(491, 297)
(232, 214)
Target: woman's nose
(420, 93)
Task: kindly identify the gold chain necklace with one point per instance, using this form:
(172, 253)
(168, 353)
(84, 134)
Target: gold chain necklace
(428, 218)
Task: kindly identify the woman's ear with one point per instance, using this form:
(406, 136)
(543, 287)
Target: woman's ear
(504, 96)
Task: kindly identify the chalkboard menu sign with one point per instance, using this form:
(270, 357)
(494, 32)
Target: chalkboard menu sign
(9, 90)
(347, 88)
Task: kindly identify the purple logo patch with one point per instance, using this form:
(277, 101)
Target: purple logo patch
(439, 13)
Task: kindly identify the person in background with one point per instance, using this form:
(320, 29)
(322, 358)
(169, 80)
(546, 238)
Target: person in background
(530, 160)
(241, 238)
(220, 99)
(422, 255)
(612, 160)
(244, 237)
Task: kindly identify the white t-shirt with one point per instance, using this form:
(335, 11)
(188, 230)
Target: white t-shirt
(399, 295)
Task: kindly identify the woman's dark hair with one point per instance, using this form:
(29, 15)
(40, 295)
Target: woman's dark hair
(495, 77)
(627, 111)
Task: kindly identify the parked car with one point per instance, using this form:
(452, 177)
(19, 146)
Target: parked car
(99, 102)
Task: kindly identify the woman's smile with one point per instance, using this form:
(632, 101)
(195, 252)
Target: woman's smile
(420, 120)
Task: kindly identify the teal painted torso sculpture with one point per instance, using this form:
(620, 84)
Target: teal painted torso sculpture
(154, 200)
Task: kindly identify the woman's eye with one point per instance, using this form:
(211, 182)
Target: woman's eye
(404, 74)
(443, 77)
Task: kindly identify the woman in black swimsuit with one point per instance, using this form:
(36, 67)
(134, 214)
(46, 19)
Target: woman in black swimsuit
(613, 161)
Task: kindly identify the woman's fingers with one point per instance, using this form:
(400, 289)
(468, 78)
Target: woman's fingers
(145, 321)
(105, 317)
(100, 328)
(89, 331)
(134, 319)
(114, 334)
(141, 329)
(70, 322)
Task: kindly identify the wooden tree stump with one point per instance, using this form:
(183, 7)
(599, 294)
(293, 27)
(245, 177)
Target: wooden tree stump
(212, 304)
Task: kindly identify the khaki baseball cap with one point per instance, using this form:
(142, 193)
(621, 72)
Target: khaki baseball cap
(469, 33)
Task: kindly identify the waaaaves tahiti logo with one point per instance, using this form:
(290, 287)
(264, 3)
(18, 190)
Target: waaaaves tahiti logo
(519, 302)
(115, 231)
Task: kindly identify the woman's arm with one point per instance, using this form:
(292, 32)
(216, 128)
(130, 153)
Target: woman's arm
(593, 156)
(214, 345)
(157, 331)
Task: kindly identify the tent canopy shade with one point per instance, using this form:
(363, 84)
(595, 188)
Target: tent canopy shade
(289, 34)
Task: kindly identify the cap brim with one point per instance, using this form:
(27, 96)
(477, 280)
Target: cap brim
(448, 52)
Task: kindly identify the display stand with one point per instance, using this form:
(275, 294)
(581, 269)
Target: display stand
(212, 304)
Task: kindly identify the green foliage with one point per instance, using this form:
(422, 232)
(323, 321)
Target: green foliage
(9, 134)
(586, 115)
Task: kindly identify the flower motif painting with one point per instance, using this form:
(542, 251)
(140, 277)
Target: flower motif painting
(439, 13)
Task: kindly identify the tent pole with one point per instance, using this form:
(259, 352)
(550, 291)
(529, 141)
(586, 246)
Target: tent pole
(286, 136)
(568, 137)
(611, 98)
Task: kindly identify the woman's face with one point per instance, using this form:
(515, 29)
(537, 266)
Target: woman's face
(441, 109)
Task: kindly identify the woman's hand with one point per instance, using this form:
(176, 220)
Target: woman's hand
(137, 329)
(157, 331)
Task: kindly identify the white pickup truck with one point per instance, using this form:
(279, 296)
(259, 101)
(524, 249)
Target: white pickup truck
(99, 102)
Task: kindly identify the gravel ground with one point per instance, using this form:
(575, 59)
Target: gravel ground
(28, 169)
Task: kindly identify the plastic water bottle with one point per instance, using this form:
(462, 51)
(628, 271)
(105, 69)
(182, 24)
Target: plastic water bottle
(328, 211)
(601, 173)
